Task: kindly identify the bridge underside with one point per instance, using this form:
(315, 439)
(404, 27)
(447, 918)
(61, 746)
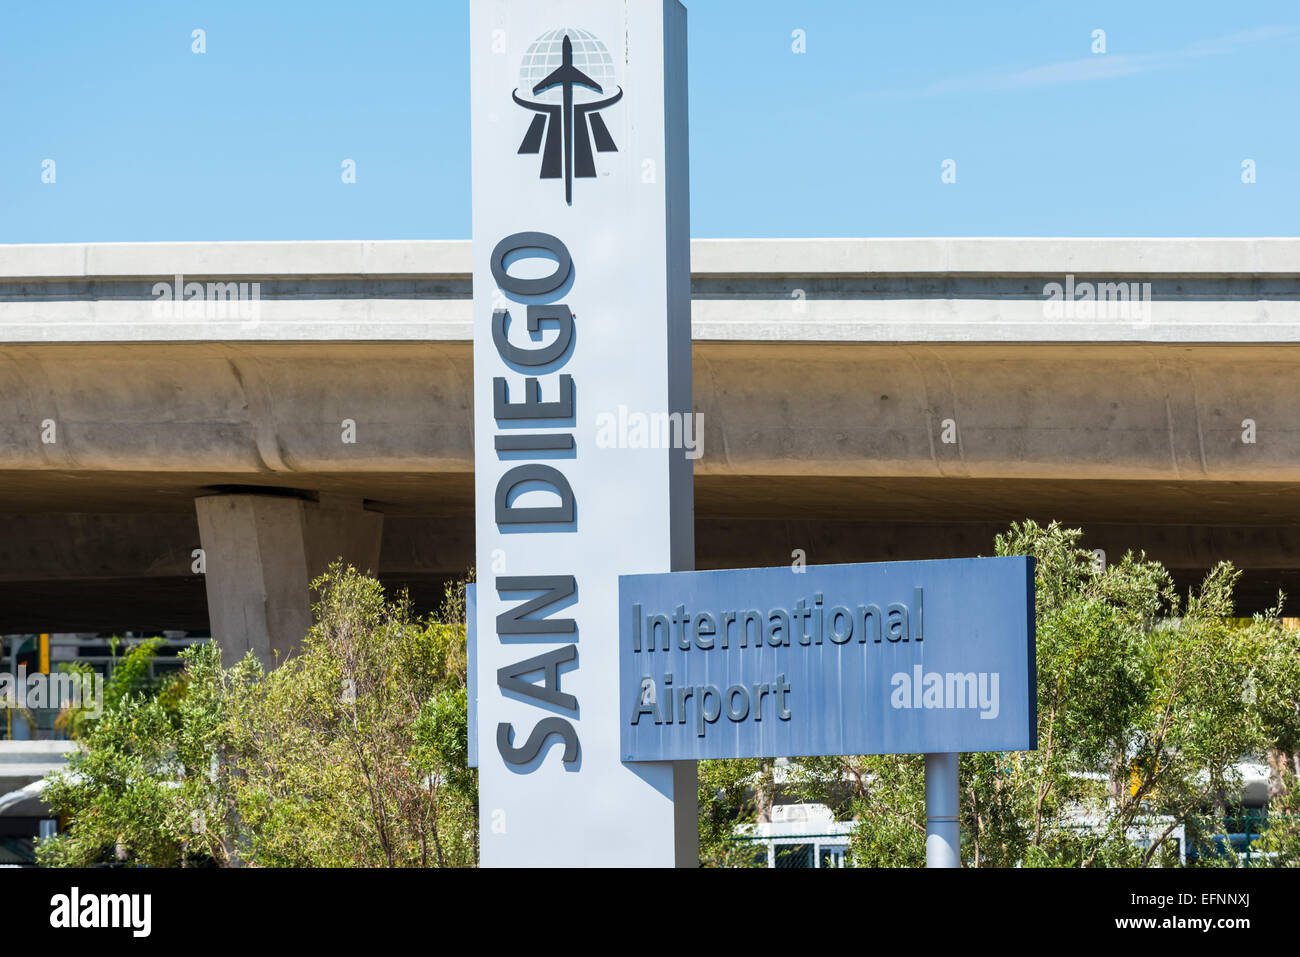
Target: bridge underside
(1189, 452)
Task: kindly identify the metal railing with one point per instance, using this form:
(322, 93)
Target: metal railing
(1223, 839)
(801, 851)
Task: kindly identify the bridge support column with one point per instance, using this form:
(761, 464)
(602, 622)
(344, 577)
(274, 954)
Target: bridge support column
(261, 552)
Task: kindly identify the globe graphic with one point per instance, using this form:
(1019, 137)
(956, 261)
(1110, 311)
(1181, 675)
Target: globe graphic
(544, 57)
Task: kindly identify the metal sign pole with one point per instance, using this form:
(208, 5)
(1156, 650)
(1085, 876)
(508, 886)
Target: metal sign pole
(942, 823)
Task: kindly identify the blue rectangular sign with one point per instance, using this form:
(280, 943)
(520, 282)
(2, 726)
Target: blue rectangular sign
(886, 658)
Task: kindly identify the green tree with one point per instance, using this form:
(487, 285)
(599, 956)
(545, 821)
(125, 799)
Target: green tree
(144, 786)
(1279, 845)
(1146, 706)
(352, 753)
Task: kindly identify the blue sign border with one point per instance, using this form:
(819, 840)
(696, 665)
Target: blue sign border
(945, 622)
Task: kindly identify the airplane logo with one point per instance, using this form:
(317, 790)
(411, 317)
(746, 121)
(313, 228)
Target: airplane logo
(568, 128)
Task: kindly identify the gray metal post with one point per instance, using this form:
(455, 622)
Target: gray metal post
(942, 824)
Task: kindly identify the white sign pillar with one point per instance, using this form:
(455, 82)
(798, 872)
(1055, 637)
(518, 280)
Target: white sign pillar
(581, 356)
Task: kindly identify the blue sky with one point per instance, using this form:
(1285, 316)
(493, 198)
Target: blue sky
(154, 142)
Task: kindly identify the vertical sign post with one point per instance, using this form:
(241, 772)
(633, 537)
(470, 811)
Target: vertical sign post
(581, 317)
(942, 811)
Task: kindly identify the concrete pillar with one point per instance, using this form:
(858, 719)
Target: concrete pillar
(261, 552)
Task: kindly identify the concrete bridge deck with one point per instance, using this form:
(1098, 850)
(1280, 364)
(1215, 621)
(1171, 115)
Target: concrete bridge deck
(862, 400)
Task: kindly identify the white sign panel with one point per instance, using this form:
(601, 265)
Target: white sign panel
(582, 401)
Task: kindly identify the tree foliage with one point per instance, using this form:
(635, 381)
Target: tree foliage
(147, 785)
(1147, 703)
(352, 753)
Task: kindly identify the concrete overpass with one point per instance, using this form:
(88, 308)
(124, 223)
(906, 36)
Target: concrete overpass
(862, 400)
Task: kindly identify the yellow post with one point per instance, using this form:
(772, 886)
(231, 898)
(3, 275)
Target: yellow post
(45, 654)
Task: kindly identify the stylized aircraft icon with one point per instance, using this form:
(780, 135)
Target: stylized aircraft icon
(566, 127)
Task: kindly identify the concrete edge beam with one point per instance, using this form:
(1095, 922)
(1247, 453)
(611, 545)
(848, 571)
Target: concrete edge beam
(720, 257)
(921, 320)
